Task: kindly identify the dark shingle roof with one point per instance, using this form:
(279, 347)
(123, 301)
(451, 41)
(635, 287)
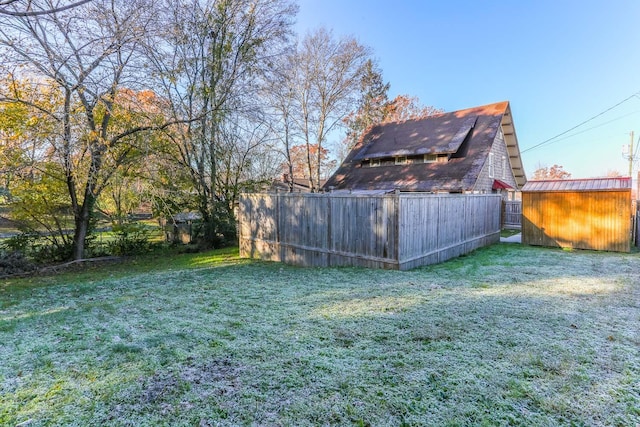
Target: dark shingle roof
(437, 135)
(466, 135)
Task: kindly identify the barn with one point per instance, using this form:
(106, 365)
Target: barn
(474, 150)
(578, 213)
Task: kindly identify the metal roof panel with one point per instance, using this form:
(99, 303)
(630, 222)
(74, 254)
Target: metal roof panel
(589, 184)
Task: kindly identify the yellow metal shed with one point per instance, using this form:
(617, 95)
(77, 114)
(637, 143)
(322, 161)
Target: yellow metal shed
(578, 213)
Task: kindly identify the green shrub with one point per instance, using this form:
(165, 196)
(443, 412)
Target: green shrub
(39, 249)
(20, 243)
(131, 239)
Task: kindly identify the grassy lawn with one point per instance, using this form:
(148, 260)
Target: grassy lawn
(508, 335)
(508, 232)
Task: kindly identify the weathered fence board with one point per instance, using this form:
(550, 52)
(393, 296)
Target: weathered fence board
(512, 214)
(396, 231)
(636, 219)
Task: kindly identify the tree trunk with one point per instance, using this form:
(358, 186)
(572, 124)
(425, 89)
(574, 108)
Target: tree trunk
(85, 211)
(310, 168)
(82, 223)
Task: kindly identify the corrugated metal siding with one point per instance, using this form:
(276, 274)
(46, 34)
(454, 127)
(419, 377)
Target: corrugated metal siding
(596, 220)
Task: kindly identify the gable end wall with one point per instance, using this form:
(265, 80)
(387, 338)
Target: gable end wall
(484, 183)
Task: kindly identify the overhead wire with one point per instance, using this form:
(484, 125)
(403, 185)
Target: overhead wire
(548, 141)
(598, 125)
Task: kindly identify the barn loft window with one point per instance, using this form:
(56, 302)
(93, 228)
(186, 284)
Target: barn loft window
(374, 163)
(401, 160)
(492, 166)
(504, 167)
(435, 158)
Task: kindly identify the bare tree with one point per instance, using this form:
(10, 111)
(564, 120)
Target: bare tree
(10, 7)
(280, 95)
(327, 82)
(83, 56)
(210, 61)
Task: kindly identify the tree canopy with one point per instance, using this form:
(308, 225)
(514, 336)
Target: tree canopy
(106, 105)
(553, 172)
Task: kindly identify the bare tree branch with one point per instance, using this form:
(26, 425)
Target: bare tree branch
(5, 11)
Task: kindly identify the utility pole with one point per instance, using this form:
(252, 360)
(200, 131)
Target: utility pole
(629, 156)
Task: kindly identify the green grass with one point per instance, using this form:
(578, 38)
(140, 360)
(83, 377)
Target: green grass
(508, 232)
(508, 335)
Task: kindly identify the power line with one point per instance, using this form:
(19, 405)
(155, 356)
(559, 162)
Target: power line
(598, 125)
(578, 125)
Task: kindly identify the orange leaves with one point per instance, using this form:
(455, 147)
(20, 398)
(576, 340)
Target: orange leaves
(554, 172)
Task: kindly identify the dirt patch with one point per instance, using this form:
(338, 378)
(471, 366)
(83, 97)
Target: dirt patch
(216, 377)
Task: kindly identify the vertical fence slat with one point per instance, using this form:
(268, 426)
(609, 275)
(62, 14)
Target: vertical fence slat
(398, 231)
(595, 220)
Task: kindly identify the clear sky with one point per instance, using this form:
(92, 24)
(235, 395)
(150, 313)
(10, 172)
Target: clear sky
(558, 62)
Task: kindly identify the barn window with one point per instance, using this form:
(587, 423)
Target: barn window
(374, 163)
(504, 167)
(401, 160)
(435, 158)
(492, 167)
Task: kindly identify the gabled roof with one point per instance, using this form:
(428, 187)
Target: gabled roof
(501, 185)
(465, 136)
(300, 185)
(570, 185)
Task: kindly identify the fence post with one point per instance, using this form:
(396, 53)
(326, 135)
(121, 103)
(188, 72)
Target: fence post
(329, 230)
(636, 223)
(278, 224)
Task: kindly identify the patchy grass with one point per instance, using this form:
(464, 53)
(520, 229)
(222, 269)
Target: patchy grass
(508, 335)
(508, 232)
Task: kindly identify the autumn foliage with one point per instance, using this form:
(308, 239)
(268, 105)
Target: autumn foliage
(553, 172)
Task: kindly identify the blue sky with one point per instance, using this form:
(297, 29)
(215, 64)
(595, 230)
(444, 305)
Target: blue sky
(559, 63)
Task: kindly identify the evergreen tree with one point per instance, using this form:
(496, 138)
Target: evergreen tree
(372, 106)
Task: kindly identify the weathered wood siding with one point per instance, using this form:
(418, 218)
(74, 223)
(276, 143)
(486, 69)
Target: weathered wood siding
(636, 222)
(596, 220)
(388, 231)
(501, 167)
(436, 228)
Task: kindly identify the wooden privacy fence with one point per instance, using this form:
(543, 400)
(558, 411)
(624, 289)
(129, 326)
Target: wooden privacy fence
(393, 231)
(636, 219)
(512, 214)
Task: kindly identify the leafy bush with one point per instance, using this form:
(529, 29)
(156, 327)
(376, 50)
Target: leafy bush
(131, 239)
(220, 231)
(20, 243)
(37, 248)
(46, 252)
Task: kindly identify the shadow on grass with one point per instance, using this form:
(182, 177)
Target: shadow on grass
(506, 335)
